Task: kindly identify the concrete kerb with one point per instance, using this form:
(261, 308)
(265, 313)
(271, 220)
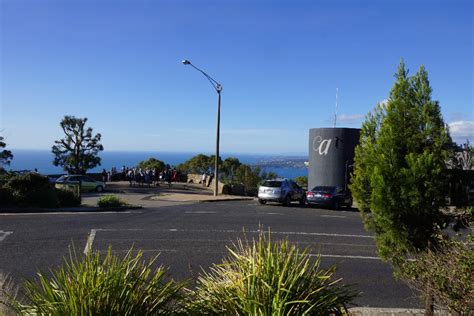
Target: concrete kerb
(371, 311)
(243, 198)
(79, 209)
(197, 198)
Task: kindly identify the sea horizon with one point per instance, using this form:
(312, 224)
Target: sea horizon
(42, 160)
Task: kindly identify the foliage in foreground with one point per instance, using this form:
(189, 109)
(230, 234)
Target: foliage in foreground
(103, 286)
(447, 273)
(8, 294)
(110, 200)
(264, 278)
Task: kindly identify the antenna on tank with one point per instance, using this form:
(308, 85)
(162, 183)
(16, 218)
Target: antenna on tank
(335, 111)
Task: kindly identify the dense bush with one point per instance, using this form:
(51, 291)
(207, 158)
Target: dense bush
(110, 200)
(97, 285)
(264, 278)
(67, 198)
(32, 190)
(8, 295)
(6, 198)
(446, 272)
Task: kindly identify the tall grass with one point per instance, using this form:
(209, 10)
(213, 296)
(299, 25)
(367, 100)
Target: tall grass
(265, 278)
(93, 285)
(8, 294)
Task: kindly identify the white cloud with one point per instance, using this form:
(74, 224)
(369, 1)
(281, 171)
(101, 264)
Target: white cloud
(462, 130)
(349, 117)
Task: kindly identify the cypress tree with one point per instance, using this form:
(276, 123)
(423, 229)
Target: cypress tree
(400, 174)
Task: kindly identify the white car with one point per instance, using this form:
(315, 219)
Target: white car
(282, 191)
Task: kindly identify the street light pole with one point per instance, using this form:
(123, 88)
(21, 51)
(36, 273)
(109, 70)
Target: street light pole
(218, 87)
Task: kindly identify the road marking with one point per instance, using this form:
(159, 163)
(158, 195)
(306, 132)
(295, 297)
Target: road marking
(336, 216)
(90, 240)
(93, 232)
(273, 213)
(200, 212)
(71, 213)
(4, 235)
(344, 256)
(277, 233)
(224, 252)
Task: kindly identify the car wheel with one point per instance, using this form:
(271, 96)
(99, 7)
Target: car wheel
(303, 200)
(262, 202)
(287, 201)
(335, 205)
(99, 188)
(349, 205)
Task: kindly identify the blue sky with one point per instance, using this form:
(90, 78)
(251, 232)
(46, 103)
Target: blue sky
(280, 62)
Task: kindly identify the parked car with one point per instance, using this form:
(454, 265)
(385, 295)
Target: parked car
(87, 183)
(281, 190)
(329, 196)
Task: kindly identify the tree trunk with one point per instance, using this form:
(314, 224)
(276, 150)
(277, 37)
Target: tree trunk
(429, 304)
(429, 301)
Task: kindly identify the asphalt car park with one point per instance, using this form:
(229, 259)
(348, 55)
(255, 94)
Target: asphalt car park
(191, 237)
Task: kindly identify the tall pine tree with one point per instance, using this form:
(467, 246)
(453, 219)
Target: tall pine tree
(400, 174)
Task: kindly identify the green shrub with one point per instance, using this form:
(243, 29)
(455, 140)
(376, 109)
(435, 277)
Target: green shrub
(8, 294)
(108, 286)
(110, 200)
(6, 198)
(447, 271)
(67, 198)
(264, 278)
(31, 189)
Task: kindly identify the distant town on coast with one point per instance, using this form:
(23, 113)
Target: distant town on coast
(288, 166)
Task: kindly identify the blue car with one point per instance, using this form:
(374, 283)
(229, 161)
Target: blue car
(329, 196)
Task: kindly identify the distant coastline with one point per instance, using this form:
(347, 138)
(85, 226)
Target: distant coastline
(288, 166)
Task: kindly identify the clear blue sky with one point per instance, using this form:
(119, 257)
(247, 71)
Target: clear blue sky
(280, 62)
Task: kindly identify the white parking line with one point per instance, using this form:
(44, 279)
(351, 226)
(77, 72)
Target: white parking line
(335, 216)
(344, 256)
(90, 241)
(200, 212)
(223, 252)
(4, 235)
(272, 232)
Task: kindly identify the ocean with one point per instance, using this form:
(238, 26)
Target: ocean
(43, 161)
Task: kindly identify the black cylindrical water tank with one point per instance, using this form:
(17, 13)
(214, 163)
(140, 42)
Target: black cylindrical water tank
(331, 155)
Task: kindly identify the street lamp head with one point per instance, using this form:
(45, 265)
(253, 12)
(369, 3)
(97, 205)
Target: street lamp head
(186, 62)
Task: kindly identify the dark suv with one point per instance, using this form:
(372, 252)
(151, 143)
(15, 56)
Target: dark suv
(281, 190)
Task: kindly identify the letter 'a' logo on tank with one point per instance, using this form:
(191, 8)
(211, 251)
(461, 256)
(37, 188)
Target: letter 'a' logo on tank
(321, 145)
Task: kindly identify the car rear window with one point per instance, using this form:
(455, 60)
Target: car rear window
(323, 189)
(272, 184)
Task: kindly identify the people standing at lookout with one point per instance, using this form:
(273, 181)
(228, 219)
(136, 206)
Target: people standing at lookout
(204, 178)
(104, 176)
